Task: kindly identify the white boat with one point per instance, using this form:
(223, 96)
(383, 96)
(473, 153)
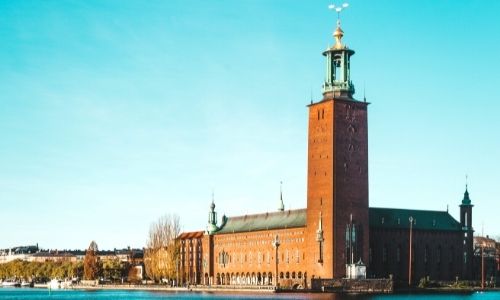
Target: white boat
(26, 284)
(56, 284)
(11, 283)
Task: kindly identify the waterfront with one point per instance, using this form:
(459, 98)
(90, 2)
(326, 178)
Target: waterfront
(25, 294)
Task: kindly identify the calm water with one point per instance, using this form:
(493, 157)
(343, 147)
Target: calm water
(8, 293)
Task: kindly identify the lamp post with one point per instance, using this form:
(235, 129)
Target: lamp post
(276, 244)
(409, 259)
(482, 265)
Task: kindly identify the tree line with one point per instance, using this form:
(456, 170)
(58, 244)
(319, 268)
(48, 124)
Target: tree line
(91, 268)
(40, 271)
(161, 260)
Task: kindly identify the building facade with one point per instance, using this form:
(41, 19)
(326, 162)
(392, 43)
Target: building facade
(337, 228)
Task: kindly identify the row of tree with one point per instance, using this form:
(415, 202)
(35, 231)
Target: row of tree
(161, 258)
(113, 270)
(90, 269)
(40, 271)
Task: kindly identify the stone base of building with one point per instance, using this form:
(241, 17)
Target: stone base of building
(365, 286)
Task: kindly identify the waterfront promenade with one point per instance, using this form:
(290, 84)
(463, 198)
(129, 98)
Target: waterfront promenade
(112, 294)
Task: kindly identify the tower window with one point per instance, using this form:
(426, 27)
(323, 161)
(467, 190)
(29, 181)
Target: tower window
(318, 114)
(322, 114)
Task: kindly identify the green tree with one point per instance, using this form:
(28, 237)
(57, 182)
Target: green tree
(114, 269)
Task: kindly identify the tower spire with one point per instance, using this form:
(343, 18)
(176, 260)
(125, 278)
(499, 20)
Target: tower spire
(338, 83)
(281, 206)
(338, 33)
(212, 217)
(466, 200)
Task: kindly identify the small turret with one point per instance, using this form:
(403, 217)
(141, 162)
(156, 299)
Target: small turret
(212, 218)
(467, 234)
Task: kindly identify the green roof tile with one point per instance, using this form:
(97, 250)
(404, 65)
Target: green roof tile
(423, 219)
(275, 220)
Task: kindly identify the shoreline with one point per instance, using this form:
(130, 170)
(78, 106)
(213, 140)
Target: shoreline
(261, 290)
(172, 289)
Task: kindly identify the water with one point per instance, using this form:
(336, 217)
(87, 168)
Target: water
(21, 294)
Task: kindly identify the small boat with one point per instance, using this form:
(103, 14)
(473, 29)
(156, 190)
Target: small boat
(11, 283)
(54, 284)
(27, 284)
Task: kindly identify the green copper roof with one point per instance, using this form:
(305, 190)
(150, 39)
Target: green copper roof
(423, 219)
(466, 200)
(274, 220)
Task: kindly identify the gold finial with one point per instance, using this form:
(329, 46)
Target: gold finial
(338, 34)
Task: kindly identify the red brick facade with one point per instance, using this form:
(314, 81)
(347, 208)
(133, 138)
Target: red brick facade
(314, 241)
(337, 182)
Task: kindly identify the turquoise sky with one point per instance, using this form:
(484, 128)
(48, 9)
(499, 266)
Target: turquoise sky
(113, 113)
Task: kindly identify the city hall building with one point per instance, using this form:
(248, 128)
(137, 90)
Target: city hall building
(337, 230)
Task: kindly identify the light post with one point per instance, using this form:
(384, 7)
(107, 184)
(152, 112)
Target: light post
(409, 260)
(276, 244)
(482, 265)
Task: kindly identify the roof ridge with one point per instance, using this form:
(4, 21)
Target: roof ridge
(411, 209)
(268, 213)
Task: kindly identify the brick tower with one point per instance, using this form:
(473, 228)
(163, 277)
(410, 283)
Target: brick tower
(337, 178)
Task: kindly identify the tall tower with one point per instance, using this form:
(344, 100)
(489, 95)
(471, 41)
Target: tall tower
(337, 178)
(468, 235)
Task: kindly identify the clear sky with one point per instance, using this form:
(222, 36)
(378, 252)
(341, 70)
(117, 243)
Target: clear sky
(113, 113)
